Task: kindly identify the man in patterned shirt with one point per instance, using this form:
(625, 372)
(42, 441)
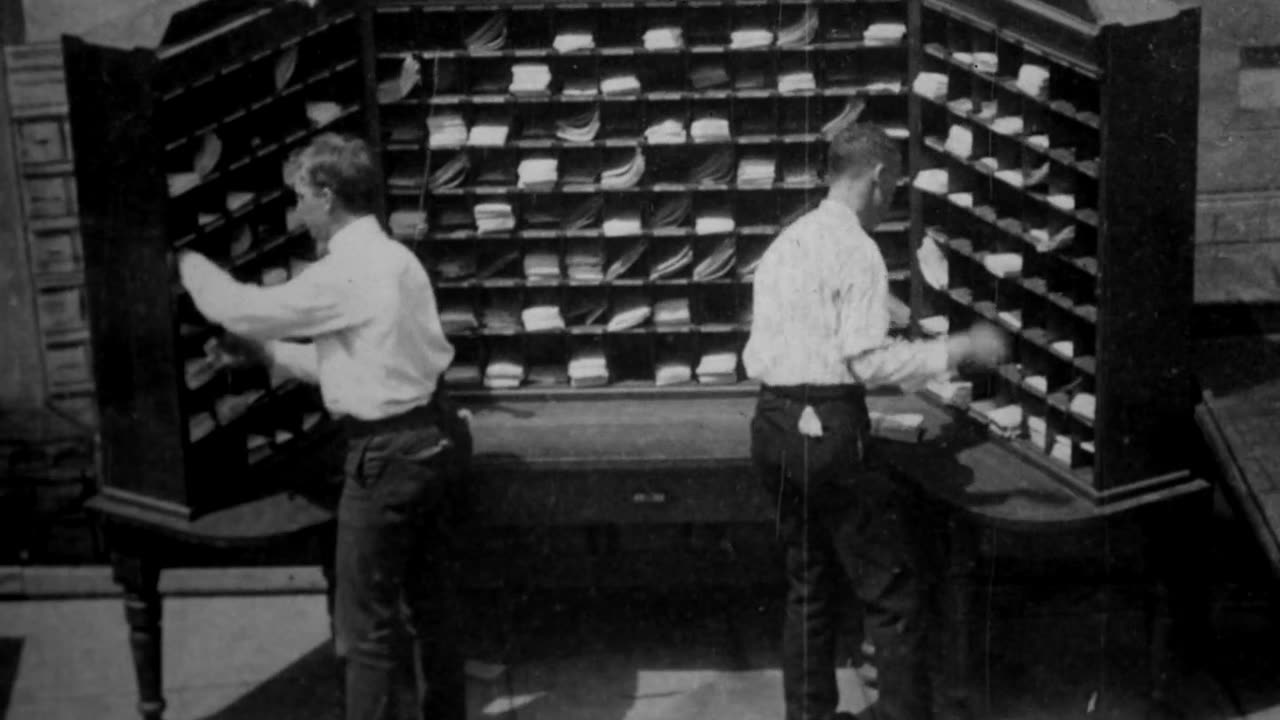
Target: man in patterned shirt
(819, 339)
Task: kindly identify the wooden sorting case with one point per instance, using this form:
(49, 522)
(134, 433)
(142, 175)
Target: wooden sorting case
(182, 119)
(1053, 150)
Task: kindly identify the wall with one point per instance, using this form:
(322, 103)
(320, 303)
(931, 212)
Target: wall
(1238, 218)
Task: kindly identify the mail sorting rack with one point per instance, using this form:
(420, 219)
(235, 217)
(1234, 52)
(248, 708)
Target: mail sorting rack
(591, 185)
(1053, 151)
(181, 145)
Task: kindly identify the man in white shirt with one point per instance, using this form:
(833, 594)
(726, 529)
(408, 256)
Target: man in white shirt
(377, 351)
(819, 339)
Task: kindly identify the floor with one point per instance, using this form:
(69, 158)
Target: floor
(710, 655)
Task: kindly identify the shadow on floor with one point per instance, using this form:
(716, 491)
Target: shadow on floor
(310, 688)
(10, 657)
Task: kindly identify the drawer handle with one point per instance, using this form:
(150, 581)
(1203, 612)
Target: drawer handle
(649, 498)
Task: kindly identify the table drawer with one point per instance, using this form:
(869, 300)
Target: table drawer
(508, 495)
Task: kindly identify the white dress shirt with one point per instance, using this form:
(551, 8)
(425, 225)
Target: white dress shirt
(378, 347)
(821, 310)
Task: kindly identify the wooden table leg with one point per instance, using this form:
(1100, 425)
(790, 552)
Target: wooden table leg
(139, 577)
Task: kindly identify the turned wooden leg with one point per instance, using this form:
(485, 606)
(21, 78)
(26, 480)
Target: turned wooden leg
(140, 580)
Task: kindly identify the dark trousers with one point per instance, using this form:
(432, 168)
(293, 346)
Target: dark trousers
(841, 520)
(395, 614)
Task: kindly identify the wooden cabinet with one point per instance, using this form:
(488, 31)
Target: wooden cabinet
(1054, 147)
(590, 185)
(180, 140)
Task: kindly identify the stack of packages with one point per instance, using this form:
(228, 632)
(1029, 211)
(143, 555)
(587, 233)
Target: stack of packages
(797, 80)
(542, 264)
(537, 172)
(756, 171)
(667, 131)
(801, 32)
(446, 130)
(625, 172)
(1034, 80)
(1003, 419)
(717, 263)
(451, 174)
(710, 128)
(573, 40)
(984, 62)
(584, 215)
(489, 132)
(621, 223)
(708, 75)
(629, 311)
(495, 216)
(1084, 405)
(620, 83)
(491, 35)
(745, 38)
(714, 221)
(580, 127)
(671, 212)
(530, 78)
(931, 85)
(718, 367)
(504, 372)
(673, 258)
(664, 37)
(884, 33)
(457, 318)
(585, 259)
(671, 312)
(932, 180)
(716, 169)
(588, 368)
(672, 370)
(959, 141)
(542, 318)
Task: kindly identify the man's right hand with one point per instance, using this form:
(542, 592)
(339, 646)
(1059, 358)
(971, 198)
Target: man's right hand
(982, 344)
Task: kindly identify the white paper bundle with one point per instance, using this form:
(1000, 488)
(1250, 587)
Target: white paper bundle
(671, 311)
(537, 172)
(529, 78)
(931, 85)
(446, 130)
(542, 318)
(504, 373)
(494, 216)
(714, 222)
(884, 33)
(569, 41)
(666, 37)
(750, 38)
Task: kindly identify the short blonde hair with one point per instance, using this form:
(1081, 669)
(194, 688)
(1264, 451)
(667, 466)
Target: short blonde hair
(343, 164)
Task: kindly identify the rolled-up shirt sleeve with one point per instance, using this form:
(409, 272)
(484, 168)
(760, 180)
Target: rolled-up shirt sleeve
(317, 301)
(905, 364)
(871, 356)
(295, 359)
